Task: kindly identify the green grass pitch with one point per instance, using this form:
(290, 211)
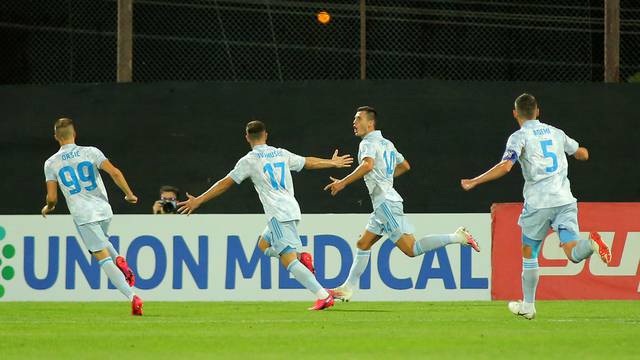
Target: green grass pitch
(286, 330)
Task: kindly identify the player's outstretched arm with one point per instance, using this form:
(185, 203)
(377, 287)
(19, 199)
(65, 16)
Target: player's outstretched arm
(336, 161)
(118, 178)
(217, 189)
(51, 199)
(581, 154)
(338, 184)
(401, 168)
(496, 172)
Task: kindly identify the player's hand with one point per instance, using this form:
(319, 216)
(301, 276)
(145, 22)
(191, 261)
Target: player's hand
(341, 161)
(132, 199)
(467, 184)
(187, 206)
(336, 186)
(46, 210)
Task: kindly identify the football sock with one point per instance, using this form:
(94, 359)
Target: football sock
(270, 251)
(306, 278)
(112, 251)
(432, 242)
(582, 250)
(357, 268)
(530, 275)
(117, 278)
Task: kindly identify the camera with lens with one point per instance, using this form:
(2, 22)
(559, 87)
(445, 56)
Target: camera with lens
(168, 202)
(169, 206)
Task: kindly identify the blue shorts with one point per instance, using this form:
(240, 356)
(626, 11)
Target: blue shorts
(535, 223)
(282, 236)
(388, 219)
(94, 235)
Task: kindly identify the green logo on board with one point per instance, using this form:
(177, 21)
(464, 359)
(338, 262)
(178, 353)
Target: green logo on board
(6, 254)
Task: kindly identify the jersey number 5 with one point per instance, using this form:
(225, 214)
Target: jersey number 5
(548, 154)
(268, 168)
(71, 178)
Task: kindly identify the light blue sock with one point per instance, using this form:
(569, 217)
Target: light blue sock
(270, 251)
(357, 268)
(530, 275)
(306, 278)
(117, 278)
(112, 251)
(581, 251)
(432, 242)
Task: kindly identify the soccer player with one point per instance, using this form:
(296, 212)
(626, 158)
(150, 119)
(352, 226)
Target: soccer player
(380, 162)
(269, 169)
(548, 203)
(76, 169)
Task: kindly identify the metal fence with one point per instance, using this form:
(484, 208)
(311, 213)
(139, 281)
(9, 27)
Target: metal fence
(630, 41)
(482, 40)
(244, 40)
(53, 41)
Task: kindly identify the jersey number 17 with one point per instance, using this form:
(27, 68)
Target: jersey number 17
(269, 169)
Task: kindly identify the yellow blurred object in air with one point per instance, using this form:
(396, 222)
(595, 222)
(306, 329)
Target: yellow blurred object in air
(323, 17)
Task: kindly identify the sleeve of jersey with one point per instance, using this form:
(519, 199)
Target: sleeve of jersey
(514, 148)
(366, 150)
(241, 171)
(399, 157)
(49, 173)
(296, 162)
(98, 157)
(570, 145)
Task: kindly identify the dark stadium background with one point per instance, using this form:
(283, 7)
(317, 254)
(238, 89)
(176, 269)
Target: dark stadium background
(443, 75)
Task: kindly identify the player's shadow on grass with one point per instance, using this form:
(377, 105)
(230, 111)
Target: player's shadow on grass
(361, 310)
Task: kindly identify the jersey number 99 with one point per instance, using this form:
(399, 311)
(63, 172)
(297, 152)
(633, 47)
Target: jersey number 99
(71, 177)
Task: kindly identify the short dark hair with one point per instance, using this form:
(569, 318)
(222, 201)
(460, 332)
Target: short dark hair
(255, 128)
(372, 114)
(63, 128)
(169, 188)
(526, 105)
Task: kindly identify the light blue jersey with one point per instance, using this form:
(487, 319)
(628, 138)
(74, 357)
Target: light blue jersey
(270, 171)
(379, 181)
(541, 149)
(76, 169)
